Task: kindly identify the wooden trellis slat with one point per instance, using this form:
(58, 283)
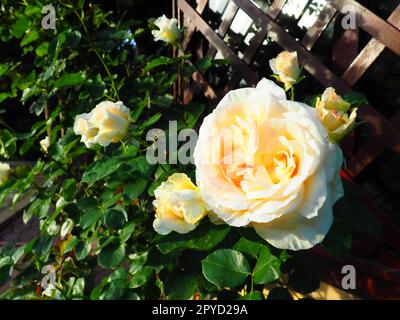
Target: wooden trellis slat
(280, 36)
(380, 29)
(369, 53)
(201, 5)
(214, 39)
(227, 18)
(313, 34)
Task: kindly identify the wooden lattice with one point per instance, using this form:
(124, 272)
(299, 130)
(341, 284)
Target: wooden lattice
(380, 278)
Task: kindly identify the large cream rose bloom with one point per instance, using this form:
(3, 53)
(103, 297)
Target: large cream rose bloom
(266, 162)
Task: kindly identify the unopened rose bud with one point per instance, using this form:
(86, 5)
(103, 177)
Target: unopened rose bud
(333, 113)
(286, 68)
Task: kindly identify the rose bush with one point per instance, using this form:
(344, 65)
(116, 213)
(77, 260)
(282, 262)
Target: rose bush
(112, 225)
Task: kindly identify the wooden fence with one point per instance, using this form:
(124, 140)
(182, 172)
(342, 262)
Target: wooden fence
(206, 35)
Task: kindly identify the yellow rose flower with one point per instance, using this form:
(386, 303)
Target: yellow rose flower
(168, 30)
(112, 120)
(286, 67)
(333, 113)
(266, 162)
(107, 123)
(45, 143)
(83, 127)
(178, 204)
(4, 172)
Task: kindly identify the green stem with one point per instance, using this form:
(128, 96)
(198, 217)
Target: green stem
(98, 56)
(292, 93)
(123, 147)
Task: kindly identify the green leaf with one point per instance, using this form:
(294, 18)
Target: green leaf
(111, 255)
(141, 277)
(4, 96)
(203, 64)
(37, 106)
(338, 240)
(27, 145)
(193, 113)
(71, 244)
(101, 169)
(39, 207)
(78, 287)
(180, 286)
(355, 214)
(69, 79)
(108, 202)
(204, 237)
(164, 101)
(255, 295)
(157, 62)
(312, 100)
(127, 231)
(135, 190)
(69, 189)
(90, 218)
(20, 26)
(82, 250)
(42, 49)
(8, 144)
(42, 246)
(138, 261)
(86, 203)
(30, 37)
(152, 120)
(267, 268)
(73, 37)
(356, 98)
(5, 272)
(141, 165)
(96, 88)
(248, 247)
(225, 268)
(114, 219)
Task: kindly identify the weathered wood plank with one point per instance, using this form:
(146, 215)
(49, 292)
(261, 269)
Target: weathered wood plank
(313, 34)
(368, 54)
(276, 8)
(190, 28)
(381, 30)
(227, 18)
(345, 50)
(217, 42)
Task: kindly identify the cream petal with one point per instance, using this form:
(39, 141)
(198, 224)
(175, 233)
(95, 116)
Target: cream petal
(301, 233)
(273, 209)
(168, 224)
(315, 195)
(270, 87)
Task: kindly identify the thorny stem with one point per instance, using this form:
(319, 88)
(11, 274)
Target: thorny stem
(98, 55)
